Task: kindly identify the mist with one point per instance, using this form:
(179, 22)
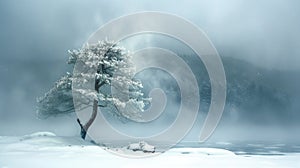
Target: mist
(257, 41)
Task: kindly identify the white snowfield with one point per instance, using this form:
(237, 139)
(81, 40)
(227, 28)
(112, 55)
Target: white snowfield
(45, 150)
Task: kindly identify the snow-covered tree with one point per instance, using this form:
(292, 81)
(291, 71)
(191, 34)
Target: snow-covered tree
(108, 66)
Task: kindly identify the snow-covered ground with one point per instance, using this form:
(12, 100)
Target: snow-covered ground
(43, 150)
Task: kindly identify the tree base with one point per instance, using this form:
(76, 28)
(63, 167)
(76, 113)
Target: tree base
(82, 131)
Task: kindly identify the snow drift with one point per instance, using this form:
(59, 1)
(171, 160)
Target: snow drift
(44, 149)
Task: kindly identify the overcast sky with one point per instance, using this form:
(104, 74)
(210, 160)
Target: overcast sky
(264, 32)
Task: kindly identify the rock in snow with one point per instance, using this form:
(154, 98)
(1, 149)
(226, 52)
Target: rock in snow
(141, 146)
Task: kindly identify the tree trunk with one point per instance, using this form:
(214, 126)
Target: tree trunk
(82, 131)
(85, 127)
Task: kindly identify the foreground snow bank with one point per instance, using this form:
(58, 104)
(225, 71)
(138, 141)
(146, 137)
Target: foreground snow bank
(49, 151)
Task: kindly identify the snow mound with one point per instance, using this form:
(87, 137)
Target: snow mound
(42, 139)
(38, 134)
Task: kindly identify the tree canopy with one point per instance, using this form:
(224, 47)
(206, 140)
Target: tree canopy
(113, 70)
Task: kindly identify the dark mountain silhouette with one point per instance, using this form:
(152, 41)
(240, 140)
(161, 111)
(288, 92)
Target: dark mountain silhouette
(257, 95)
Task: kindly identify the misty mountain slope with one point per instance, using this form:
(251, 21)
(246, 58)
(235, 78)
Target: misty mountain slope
(254, 94)
(260, 95)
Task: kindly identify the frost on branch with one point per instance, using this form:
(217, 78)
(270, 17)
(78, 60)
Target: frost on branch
(109, 67)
